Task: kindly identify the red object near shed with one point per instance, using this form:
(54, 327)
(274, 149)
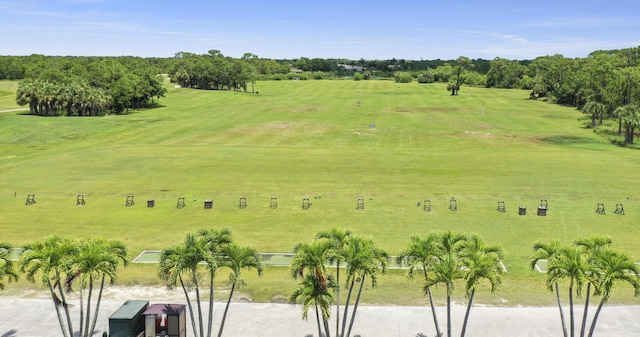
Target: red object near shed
(165, 320)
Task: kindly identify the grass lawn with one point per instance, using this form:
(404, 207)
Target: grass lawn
(311, 139)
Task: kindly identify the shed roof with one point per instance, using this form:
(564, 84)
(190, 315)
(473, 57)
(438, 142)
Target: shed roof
(169, 309)
(129, 309)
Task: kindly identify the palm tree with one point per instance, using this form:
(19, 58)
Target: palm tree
(97, 259)
(182, 260)
(546, 251)
(214, 242)
(447, 268)
(463, 64)
(595, 111)
(312, 292)
(6, 265)
(51, 259)
(363, 259)
(480, 261)
(421, 254)
(310, 257)
(568, 264)
(590, 247)
(612, 268)
(25, 94)
(618, 113)
(339, 239)
(238, 258)
(308, 263)
(629, 118)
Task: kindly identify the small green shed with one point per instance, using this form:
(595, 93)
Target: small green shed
(128, 320)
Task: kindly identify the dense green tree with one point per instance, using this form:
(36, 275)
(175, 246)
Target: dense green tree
(443, 73)
(426, 77)
(402, 77)
(7, 270)
(504, 73)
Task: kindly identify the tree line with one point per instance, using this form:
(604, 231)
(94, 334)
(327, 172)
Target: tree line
(446, 259)
(55, 86)
(605, 85)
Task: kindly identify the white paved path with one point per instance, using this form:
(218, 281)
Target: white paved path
(36, 317)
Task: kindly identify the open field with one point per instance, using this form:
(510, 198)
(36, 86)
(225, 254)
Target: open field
(310, 139)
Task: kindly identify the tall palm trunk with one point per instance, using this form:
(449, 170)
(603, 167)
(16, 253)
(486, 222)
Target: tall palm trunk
(318, 321)
(448, 310)
(211, 298)
(226, 308)
(355, 307)
(337, 288)
(326, 326)
(466, 315)
(95, 315)
(64, 304)
(433, 308)
(186, 295)
(457, 80)
(562, 320)
(88, 316)
(56, 304)
(346, 308)
(198, 303)
(595, 317)
(433, 311)
(81, 310)
(571, 317)
(586, 308)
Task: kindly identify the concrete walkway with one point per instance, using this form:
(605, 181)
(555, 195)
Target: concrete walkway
(36, 317)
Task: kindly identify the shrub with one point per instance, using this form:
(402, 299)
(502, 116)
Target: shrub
(402, 77)
(426, 77)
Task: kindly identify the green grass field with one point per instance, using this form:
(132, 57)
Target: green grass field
(311, 139)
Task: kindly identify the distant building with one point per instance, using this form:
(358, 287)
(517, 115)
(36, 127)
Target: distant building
(351, 67)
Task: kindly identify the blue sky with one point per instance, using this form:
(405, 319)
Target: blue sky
(326, 29)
